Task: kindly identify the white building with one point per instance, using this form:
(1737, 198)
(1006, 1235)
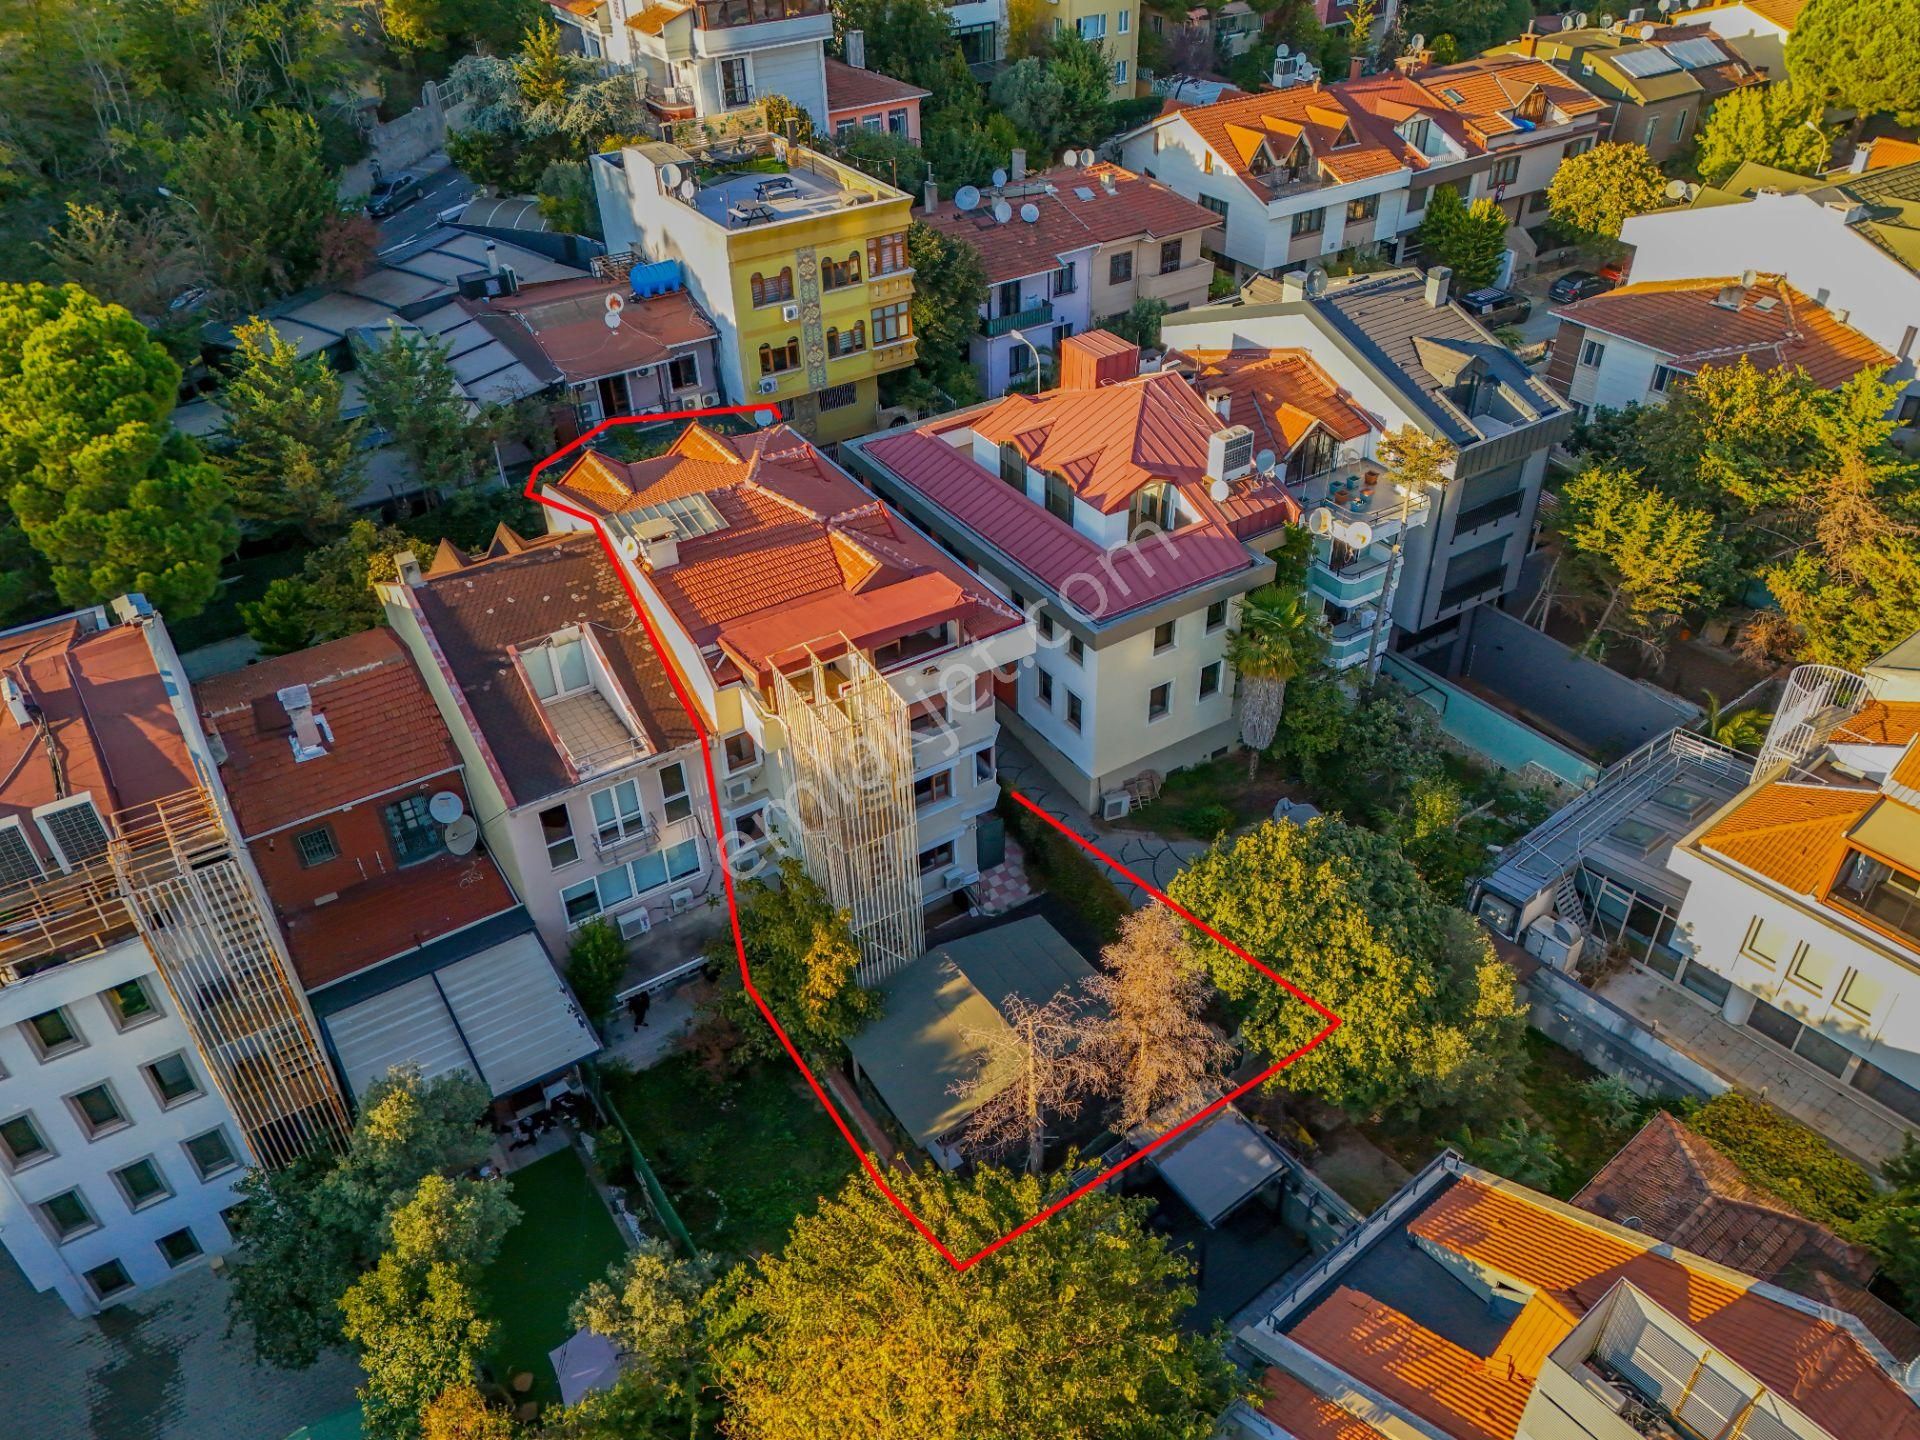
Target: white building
(141, 1069)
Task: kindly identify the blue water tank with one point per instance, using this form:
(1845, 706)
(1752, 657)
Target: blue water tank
(660, 277)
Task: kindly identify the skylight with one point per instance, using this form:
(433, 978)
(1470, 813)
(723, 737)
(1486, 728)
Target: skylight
(691, 515)
(1453, 96)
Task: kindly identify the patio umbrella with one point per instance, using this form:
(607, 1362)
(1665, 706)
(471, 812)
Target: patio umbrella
(586, 1363)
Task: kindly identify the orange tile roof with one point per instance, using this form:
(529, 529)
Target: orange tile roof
(1136, 206)
(1784, 13)
(387, 731)
(383, 917)
(1775, 326)
(1307, 1416)
(1906, 771)
(805, 553)
(558, 328)
(1888, 151)
(1815, 1364)
(1493, 86)
(657, 15)
(1444, 1384)
(1880, 722)
(851, 88)
(1280, 394)
(1793, 834)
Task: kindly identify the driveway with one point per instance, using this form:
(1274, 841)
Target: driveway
(441, 187)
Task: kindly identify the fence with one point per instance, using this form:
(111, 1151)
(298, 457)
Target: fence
(657, 1202)
(1612, 1041)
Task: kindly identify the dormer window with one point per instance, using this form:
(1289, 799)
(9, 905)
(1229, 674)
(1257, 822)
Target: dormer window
(557, 668)
(1155, 507)
(1013, 466)
(1059, 497)
(1534, 107)
(1416, 133)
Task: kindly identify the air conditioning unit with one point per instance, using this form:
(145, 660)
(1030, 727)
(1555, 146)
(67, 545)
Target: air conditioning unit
(1229, 453)
(789, 313)
(711, 397)
(1115, 804)
(680, 900)
(768, 384)
(635, 922)
(739, 787)
(954, 879)
(1554, 942)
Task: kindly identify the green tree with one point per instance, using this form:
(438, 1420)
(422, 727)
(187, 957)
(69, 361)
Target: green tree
(1859, 55)
(1469, 26)
(141, 261)
(416, 1317)
(1850, 619)
(1276, 641)
(802, 956)
(1776, 125)
(428, 26)
(266, 202)
(461, 1412)
(543, 71)
(414, 400)
(911, 40)
(1596, 192)
(596, 962)
(1517, 1150)
(289, 454)
(949, 287)
(97, 478)
(1468, 239)
(860, 1316)
(567, 200)
(1059, 99)
(308, 1229)
(1139, 322)
(656, 1308)
(1737, 729)
(885, 156)
(333, 594)
(1428, 1011)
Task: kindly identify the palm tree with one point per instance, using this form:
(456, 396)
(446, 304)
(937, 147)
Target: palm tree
(1277, 641)
(1738, 729)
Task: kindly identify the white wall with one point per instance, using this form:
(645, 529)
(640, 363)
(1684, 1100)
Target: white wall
(114, 1056)
(1623, 377)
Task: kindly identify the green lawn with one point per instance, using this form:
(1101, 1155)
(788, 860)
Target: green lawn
(565, 1240)
(739, 1158)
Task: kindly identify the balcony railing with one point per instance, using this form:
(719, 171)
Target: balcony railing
(1041, 314)
(1349, 644)
(1477, 588)
(1489, 512)
(1357, 583)
(630, 836)
(727, 14)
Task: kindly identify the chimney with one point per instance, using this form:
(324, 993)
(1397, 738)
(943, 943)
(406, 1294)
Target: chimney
(657, 542)
(1095, 358)
(1749, 278)
(1841, 316)
(407, 566)
(493, 259)
(1221, 403)
(1108, 183)
(1017, 169)
(1355, 65)
(1439, 281)
(855, 45)
(932, 201)
(1293, 286)
(309, 741)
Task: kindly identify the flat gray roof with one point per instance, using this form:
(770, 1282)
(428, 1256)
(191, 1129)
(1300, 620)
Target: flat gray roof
(1216, 1165)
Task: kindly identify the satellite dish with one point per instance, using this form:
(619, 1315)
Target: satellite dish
(630, 547)
(1070, 158)
(614, 306)
(1280, 52)
(967, 197)
(765, 417)
(1676, 190)
(1320, 522)
(999, 178)
(462, 835)
(1002, 212)
(1666, 7)
(1419, 44)
(1579, 20)
(1220, 490)
(671, 175)
(1263, 462)
(688, 189)
(1316, 281)
(1359, 534)
(446, 807)
(1030, 213)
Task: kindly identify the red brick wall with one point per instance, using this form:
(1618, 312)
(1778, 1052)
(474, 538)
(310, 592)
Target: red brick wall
(359, 834)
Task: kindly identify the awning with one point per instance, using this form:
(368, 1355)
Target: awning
(502, 1014)
(1216, 1166)
(585, 1363)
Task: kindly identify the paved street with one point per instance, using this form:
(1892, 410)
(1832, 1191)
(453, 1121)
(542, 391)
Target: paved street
(441, 186)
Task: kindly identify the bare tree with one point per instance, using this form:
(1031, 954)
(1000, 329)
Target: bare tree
(1034, 1071)
(1152, 1039)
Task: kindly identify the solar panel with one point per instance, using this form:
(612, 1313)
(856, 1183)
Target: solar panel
(692, 515)
(1643, 64)
(18, 863)
(1697, 53)
(76, 830)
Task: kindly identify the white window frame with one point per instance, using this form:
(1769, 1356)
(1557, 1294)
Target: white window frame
(668, 797)
(624, 826)
(1153, 719)
(1592, 352)
(40, 812)
(759, 753)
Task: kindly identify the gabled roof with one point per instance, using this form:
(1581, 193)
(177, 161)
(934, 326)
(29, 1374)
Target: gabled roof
(1794, 834)
(1784, 13)
(851, 88)
(1492, 87)
(559, 327)
(1280, 394)
(1880, 722)
(1307, 1416)
(1774, 325)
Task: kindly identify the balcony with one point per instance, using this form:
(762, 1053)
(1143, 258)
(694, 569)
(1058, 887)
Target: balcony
(731, 14)
(626, 837)
(1174, 284)
(1041, 314)
(1489, 512)
(1362, 498)
(1349, 644)
(1478, 587)
(592, 734)
(1359, 580)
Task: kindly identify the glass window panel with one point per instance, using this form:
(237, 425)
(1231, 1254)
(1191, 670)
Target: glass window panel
(582, 902)
(614, 886)
(570, 665)
(109, 1279)
(1774, 1023)
(649, 872)
(140, 1182)
(539, 668)
(98, 1109)
(20, 1139)
(172, 1078)
(130, 1001)
(211, 1153)
(683, 859)
(1706, 984)
(1818, 1049)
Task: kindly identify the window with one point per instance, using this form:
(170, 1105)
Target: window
(415, 834)
(1216, 616)
(897, 122)
(741, 753)
(841, 343)
(67, 1215)
(750, 826)
(870, 123)
(1163, 636)
(1416, 199)
(1091, 27)
(141, 1183)
(1679, 127)
(1812, 969)
(316, 847)
(890, 323)
(130, 1004)
(1169, 256)
(1416, 133)
(556, 668)
(211, 1154)
(108, 1280)
(776, 290)
(1662, 378)
(676, 803)
(1065, 279)
(1309, 222)
(1653, 124)
(97, 1110)
(617, 813)
(52, 1034)
(1013, 465)
(938, 857)
(839, 397)
(21, 1142)
(934, 789)
(777, 360)
(1125, 21)
(1361, 211)
(1046, 627)
(1862, 994)
(1160, 701)
(1577, 147)
(1210, 679)
(74, 829)
(1019, 360)
(1766, 943)
(683, 372)
(1059, 497)
(886, 254)
(736, 86)
(1539, 202)
(1591, 352)
(1076, 650)
(179, 1247)
(172, 1079)
(843, 128)
(1219, 207)
(556, 828)
(1120, 268)
(1119, 72)
(581, 902)
(1504, 172)
(1043, 687)
(838, 274)
(1073, 711)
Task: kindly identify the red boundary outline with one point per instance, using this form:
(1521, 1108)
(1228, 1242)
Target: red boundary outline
(867, 1161)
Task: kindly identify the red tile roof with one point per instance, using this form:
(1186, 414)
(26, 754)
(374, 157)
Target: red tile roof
(1069, 220)
(1307, 1416)
(387, 732)
(1280, 394)
(561, 327)
(1775, 325)
(805, 554)
(851, 88)
(387, 916)
(1492, 88)
(1784, 13)
(1813, 1363)
(108, 717)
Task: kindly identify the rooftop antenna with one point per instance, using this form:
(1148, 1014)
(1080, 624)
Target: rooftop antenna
(1002, 212)
(1030, 213)
(999, 178)
(614, 306)
(967, 197)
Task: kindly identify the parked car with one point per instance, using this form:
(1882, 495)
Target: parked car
(1494, 307)
(1578, 285)
(392, 193)
(1614, 272)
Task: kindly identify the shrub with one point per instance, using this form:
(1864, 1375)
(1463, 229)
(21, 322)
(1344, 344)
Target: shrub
(595, 964)
(1787, 1158)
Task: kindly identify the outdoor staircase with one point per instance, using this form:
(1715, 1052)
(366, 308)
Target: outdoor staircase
(1567, 903)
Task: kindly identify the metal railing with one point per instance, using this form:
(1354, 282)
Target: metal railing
(1040, 314)
(727, 14)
